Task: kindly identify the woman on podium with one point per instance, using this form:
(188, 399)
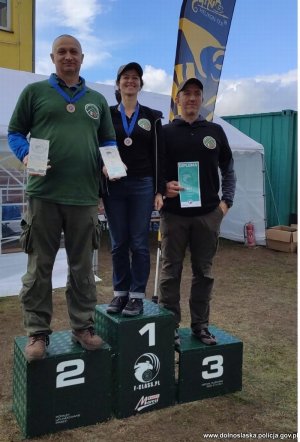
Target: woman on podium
(129, 201)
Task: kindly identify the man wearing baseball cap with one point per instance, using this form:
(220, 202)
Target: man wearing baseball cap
(195, 150)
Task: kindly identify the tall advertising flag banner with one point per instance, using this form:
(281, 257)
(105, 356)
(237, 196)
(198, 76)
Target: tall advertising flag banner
(202, 37)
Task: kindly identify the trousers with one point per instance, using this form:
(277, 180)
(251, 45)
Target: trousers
(44, 222)
(128, 209)
(201, 235)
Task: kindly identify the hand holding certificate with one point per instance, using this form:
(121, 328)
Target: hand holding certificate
(38, 157)
(113, 163)
(188, 177)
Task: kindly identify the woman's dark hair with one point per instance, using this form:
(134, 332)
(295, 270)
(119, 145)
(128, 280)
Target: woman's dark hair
(118, 96)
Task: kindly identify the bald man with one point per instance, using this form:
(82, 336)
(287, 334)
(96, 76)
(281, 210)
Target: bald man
(75, 120)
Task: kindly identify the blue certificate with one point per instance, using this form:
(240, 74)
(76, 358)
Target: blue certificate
(189, 179)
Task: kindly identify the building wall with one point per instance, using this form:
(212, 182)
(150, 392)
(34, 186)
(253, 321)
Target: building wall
(17, 42)
(277, 132)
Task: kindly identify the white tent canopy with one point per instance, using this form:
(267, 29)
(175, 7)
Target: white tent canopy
(249, 203)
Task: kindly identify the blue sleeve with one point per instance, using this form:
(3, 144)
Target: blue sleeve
(18, 143)
(109, 143)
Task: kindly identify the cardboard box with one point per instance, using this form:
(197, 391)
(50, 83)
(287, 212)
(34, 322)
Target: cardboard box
(282, 238)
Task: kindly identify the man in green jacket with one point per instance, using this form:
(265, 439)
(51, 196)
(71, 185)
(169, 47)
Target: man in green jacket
(75, 120)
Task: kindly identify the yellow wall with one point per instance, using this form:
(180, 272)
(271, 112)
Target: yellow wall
(17, 44)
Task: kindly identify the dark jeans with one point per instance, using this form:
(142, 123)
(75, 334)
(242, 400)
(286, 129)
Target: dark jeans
(45, 222)
(201, 234)
(128, 209)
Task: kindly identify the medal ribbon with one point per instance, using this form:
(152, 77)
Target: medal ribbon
(76, 97)
(129, 128)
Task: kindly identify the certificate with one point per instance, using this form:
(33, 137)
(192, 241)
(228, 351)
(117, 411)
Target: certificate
(188, 177)
(38, 156)
(112, 161)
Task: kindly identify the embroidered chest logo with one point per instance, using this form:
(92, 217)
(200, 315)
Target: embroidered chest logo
(92, 111)
(209, 142)
(144, 124)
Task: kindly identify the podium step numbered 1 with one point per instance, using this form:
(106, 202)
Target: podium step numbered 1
(144, 363)
(133, 372)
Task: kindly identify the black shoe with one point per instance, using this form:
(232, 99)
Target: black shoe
(205, 336)
(133, 307)
(117, 304)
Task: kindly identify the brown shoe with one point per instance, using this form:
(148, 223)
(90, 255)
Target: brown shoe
(87, 338)
(36, 347)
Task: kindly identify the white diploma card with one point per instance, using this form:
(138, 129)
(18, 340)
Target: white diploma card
(188, 177)
(112, 161)
(38, 156)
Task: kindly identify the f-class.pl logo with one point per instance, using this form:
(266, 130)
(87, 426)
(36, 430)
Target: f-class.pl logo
(146, 368)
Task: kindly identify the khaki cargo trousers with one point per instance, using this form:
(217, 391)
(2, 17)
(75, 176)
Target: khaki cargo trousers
(40, 238)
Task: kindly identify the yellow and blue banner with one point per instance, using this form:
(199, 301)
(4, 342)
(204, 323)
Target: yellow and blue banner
(202, 37)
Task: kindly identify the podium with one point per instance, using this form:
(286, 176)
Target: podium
(133, 372)
(207, 371)
(143, 362)
(71, 387)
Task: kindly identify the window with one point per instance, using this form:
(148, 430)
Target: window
(4, 14)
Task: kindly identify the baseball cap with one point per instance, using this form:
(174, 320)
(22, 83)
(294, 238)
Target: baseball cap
(189, 81)
(126, 67)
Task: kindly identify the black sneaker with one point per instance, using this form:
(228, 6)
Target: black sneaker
(133, 307)
(176, 338)
(205, 336)
(117, 304)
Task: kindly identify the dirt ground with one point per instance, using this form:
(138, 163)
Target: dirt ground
(255, 299)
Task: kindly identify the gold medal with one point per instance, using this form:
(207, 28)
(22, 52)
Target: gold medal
(71, 108)
(128, 141)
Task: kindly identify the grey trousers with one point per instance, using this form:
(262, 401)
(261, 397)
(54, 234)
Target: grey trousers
(41, 240)
(201, 234)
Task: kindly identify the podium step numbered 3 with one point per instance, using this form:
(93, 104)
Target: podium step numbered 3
(133, 372)
(208, 371)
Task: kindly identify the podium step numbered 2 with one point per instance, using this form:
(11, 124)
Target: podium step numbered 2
(133, 372)
(70, 388)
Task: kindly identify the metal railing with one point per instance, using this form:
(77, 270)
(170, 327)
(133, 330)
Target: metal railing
(12, 206)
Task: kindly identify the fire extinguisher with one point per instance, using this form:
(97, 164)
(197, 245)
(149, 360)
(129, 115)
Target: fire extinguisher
(249, 234)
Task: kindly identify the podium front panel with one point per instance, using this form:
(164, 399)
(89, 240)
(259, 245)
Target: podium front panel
(143, 363)
(208, 370)
(71, 387)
